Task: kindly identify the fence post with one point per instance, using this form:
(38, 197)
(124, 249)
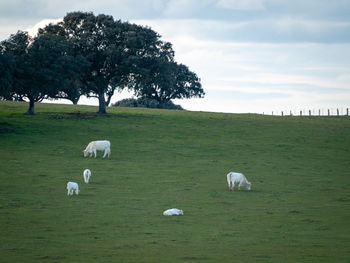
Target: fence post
(347, 111)
(309, 112)
(329, 112)
(282, 113)
(301, 113)
(337, 112)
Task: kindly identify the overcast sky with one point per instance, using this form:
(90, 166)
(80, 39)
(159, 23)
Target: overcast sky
(251, 55)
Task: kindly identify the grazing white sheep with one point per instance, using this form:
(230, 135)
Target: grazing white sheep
(71, 187)
(173, 212)
(98, 146)
(86, 174)
(237, 178)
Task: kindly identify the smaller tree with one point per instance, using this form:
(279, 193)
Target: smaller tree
(164, 80)
(17, 47)
(43, 65)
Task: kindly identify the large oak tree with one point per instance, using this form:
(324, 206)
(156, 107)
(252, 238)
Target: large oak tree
(124, 55)
(107, 45)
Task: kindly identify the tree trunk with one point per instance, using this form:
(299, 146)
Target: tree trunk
(101, 103)
(75, 100)
(109, 99)
(31, 107)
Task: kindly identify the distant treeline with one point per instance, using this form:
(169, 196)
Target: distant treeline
(147, 103)
(93, 56)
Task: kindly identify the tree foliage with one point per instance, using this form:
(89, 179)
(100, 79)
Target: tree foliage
(43, 65)
(125, 55)
(93, 56)
(107, 45)
(7, 66)
(164, 80)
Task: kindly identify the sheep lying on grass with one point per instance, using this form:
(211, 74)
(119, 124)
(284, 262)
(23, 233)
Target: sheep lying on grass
(71, 187)
(173, 212)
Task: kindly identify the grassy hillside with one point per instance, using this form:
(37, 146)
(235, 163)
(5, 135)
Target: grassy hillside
(297, 211)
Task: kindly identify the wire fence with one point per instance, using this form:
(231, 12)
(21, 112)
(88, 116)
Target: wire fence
(313, 112)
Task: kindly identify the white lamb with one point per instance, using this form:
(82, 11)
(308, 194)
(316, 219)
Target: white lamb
(237, 178)
(86, 174)
(173, 212)
(98, 146)
(71, 187)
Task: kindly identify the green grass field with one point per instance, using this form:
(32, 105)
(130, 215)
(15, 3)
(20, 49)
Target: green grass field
(297, 211)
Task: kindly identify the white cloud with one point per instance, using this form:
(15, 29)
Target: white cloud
(279, 30)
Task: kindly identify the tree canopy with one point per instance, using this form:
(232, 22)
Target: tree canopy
(94, 56)
(43, 65)
(164, 80)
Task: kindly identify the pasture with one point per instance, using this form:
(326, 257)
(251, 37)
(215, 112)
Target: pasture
(297, 211)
